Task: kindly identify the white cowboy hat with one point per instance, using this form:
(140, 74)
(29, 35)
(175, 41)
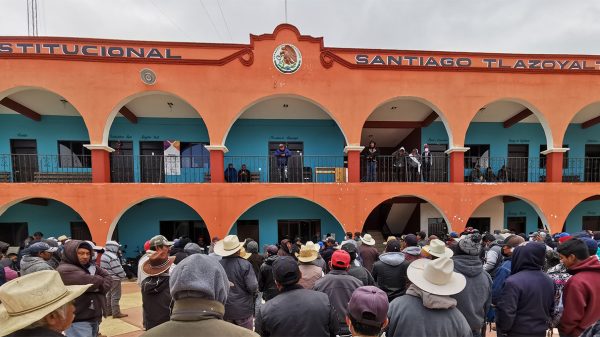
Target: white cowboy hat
(436, 276)
(27, 299)
(307, 254)
(228, 246)
(312, 245)
(438, 248)
(368, 240)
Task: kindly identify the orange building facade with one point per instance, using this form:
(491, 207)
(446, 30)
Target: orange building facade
(223, 82)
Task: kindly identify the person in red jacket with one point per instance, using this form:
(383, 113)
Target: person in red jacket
(581, 294)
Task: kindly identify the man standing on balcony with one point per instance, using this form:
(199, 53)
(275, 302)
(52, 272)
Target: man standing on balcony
(371, 154)
(427, 161)
(244, 175)
(231, 175)
(282, 154)
(400, 157)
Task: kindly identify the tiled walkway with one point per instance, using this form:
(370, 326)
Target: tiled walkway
(131, 304)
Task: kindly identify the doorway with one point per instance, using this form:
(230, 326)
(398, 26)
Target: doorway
(592, 163)
(590, 223)
(248, 229)
(24, 159)
(14, 233)
(518, 162)
(481, 224)
(516, 224)
(152, 162)
(121, 162)
(192, 229)
(80, 231)
(439, 163)
(296, 172)
(305, 229)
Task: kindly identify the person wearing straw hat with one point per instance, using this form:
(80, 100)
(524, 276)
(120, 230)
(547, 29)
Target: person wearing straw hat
(367, 252)
(239, 308)
(156, 299)
(38, 304)
(427, 308)
(295, 311)
(436, 249)
(310, 272)
(78, 268)
(200, 288)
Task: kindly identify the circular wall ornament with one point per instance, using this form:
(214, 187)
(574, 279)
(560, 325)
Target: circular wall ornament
(148, 76)
(287, 58)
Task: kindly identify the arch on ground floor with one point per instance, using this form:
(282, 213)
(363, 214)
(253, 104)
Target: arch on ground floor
(506, 198)
(60, 219)
(140, 95)
(585, 215)
(263, 99)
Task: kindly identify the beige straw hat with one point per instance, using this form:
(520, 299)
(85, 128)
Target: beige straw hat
(368, 240)
(438, 248)
(436, 276)
(312, 245)
(228, 246)
(307, 254)
(27, 299)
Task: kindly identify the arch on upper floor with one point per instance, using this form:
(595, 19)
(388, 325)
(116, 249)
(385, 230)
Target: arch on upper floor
(493, 112)
(188, 110)
(277, 97)
(510, 197)
(44, 101)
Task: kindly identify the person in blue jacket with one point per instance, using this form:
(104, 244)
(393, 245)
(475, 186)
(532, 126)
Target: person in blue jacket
(281, 155)
(527, 298)
(231, 175)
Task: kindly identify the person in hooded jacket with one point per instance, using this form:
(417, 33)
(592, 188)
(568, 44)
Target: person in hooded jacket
(76, 269)
(503, 272)
(112, 264)
(475, 300)
(410, 248)
(266, 282)
(527, 298)
(255, 259)
(389, 272)
(581, 294)
(37, 258)
(192, 248)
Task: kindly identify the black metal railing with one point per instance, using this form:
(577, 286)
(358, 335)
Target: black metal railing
(505, 169)
(582, 170)
(159, 169)
(38, 168)
(404, 169)
(297, 169)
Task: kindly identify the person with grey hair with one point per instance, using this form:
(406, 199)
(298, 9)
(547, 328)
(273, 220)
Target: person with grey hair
(199, 287)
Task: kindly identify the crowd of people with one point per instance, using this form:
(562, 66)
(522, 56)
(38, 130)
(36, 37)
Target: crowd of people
(405, 166)
(461, 285)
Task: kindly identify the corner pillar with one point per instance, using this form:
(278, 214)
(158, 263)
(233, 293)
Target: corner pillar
(217, 159)
(457, 164)
(554, 164)
(353, 162)
(100, 162)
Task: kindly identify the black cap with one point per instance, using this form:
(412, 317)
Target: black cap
(349, 247)
(286, 271)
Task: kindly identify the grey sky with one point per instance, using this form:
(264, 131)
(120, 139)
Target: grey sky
(528, 26)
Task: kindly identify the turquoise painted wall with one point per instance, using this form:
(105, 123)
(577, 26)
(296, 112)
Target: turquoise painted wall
(269, 211)
(142, 221)
(586, 208)
(248, 143)
(575, 139)
(435, 133)
(52, 220)
(521, 208)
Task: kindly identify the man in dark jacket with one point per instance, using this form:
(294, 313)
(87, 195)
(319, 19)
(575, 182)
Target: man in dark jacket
(77, 268)
(178, 249)
(503, 272)
(156, 298)
(199, 287)
(581, 294)
(266, 282)
(37, 258)
(367, 252)
(281, 155)
(473, 301)
(390, 271)
(527, 299)
(361, 273)
(410, 248)
(295, 311)
(339, 286)
(327, 252)
(239, 308)
(231, 175)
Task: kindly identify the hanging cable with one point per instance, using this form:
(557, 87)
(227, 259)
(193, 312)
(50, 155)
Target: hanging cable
(223, 16)
(211, 20)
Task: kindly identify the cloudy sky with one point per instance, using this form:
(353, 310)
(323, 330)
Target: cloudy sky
(528, 26)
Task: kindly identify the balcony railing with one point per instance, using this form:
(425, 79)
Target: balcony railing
(404, 169)
(505, 169)
(26, 168)
(297, 169)
(159, 169)
(581, 170)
